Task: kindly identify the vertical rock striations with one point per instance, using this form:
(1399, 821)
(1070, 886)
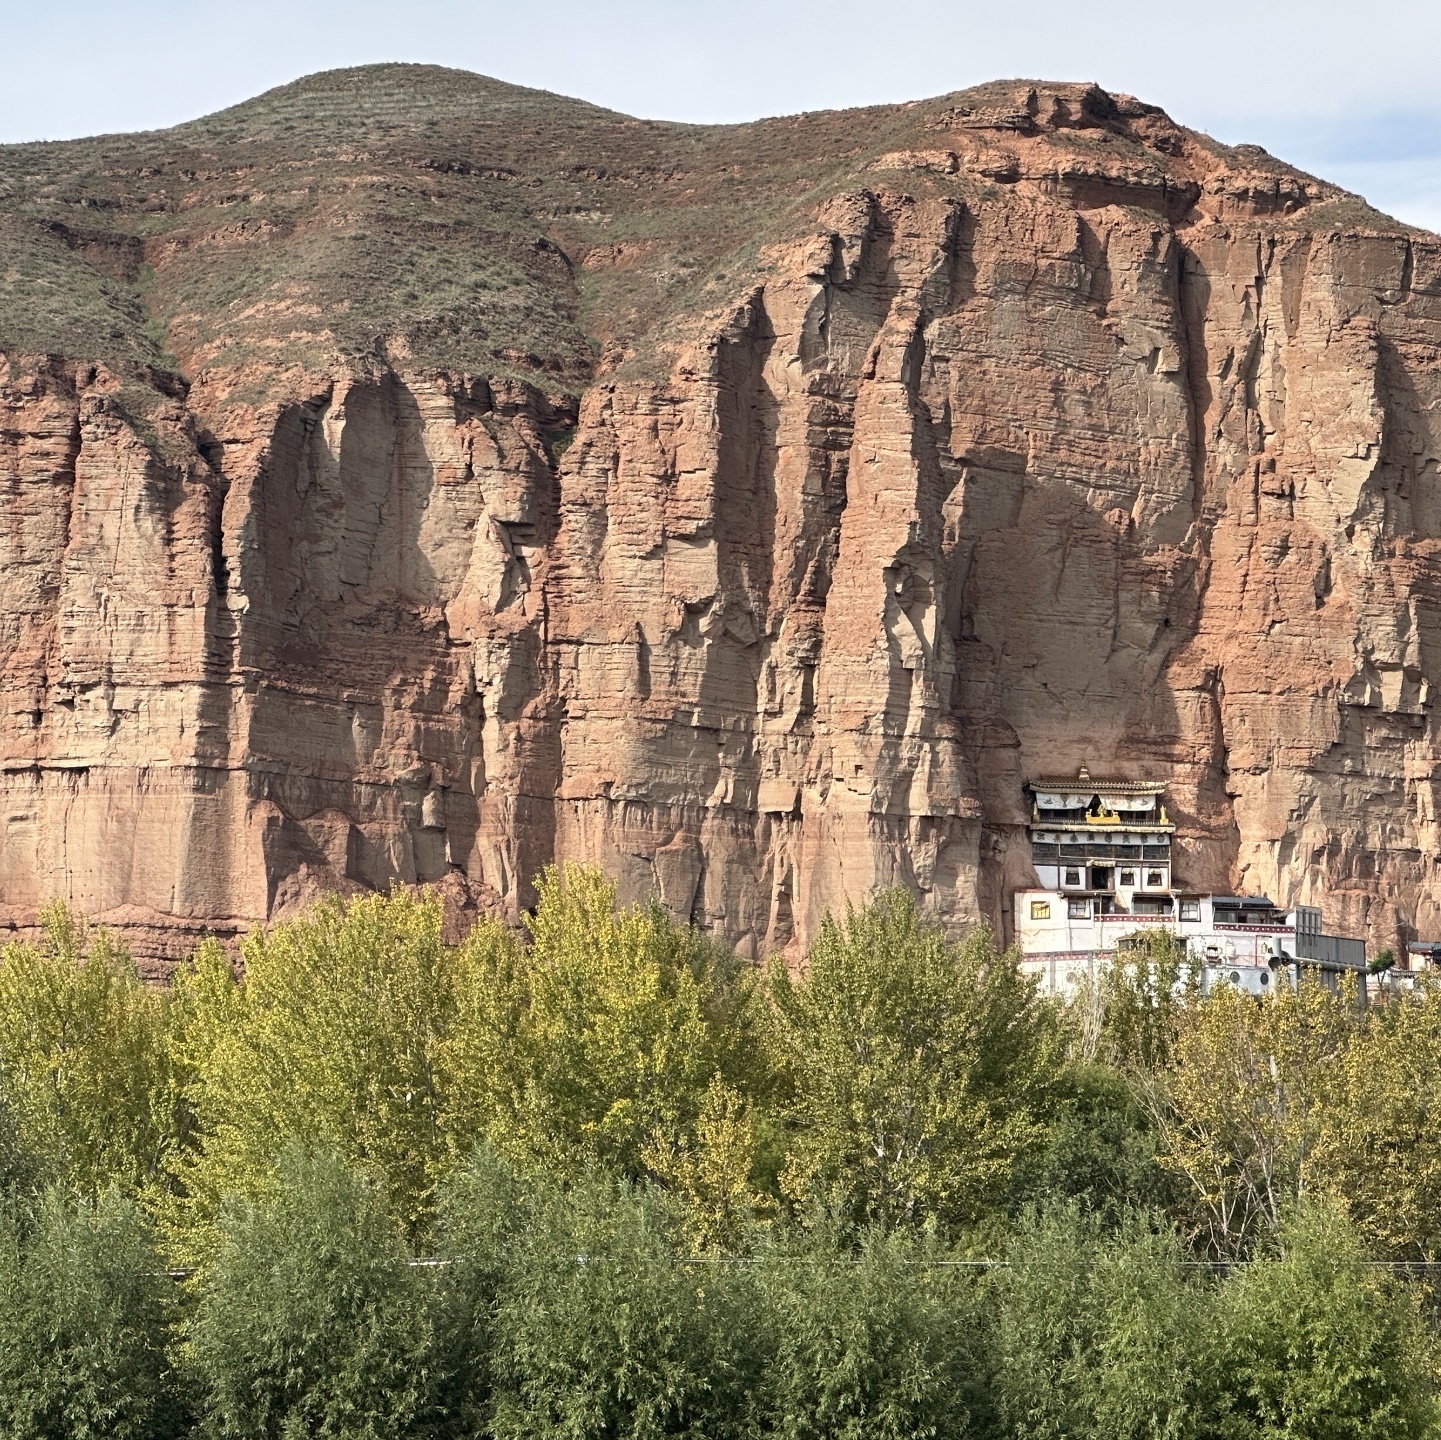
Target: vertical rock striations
(1037, 430)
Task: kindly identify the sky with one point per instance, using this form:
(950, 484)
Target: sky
(1345, 90)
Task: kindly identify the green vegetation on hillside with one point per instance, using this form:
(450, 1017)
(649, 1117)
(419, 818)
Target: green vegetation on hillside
(427, 217)
(601, 1179)
(402, 212)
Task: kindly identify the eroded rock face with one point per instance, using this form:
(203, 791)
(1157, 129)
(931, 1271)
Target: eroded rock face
(1060, 437)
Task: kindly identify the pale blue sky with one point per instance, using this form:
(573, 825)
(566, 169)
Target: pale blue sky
(1347, 90)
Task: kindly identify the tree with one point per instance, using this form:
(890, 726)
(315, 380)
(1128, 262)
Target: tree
(917, 1070)
(615, 1038)
(1380, 1146)
(86, 1309)
(334, 1037)
(603, 1330)
(86, 1083)
(1100, 1148)
(1311, 1343)
(886, 1340)
(1096, 1331)
(308, 1319)
(1130, 1017)
(1244, 1111)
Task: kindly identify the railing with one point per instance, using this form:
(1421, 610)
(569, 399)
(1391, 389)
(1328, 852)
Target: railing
(1048, 852)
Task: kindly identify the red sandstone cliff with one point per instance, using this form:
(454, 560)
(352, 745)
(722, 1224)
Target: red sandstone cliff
(807, 487)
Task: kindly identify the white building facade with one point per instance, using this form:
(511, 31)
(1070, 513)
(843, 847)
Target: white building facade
(1102, 854)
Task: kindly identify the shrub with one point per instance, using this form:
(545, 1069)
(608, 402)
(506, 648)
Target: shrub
(884, 1341)
(1312, 1343)
(85, 1315)
(603, 1330)
(308, 1320)
(483, 1205)
(1096, 1332)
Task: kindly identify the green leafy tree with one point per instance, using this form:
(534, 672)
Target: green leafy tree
(1311, 1343)
(917, 1070)
(1101, 1147)
(86, 1309)
(615, 1038)
(334, 1037)
(308, 1321)
(86, 1082)
(602, 1331)
(886, 1340)
(1097, 1331)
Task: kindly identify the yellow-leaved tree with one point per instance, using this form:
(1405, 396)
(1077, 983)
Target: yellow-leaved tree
(1381, 1143)
(1130, 1014)
(917, 1071)
(1245, 1108)
(615, 1038)
(334, 1038)
(87, 1087)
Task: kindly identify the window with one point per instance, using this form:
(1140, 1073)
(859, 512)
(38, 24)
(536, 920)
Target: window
(1153, 877)
(1190, 910)
(1079, 909)
(1040, 909)
(1073, 877)
(1128, 877)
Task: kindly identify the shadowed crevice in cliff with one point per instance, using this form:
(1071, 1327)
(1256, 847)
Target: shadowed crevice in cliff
(1409, 493)
(858, 283)
(351, 663)
(740, 629)
(1192, 298)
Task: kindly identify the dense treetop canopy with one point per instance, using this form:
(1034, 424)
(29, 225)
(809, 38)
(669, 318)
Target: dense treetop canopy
(602, 1179)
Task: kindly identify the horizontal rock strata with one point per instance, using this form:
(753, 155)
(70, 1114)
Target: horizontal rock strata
(1048, 433)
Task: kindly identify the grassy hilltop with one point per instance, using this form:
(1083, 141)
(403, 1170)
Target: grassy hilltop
(431, 214)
